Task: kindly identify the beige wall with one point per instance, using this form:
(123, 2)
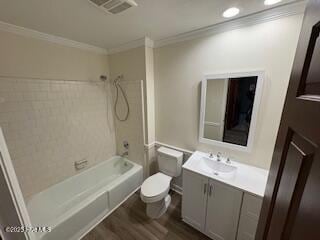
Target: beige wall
(48, 124)
(137, 66)
(131, 64)
(180, 67)
(29, 57)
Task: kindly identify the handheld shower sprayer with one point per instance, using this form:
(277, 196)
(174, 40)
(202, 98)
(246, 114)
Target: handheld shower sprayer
(118, 87)
(116, 83)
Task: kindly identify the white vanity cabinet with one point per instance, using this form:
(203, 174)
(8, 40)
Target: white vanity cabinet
(220, 211)
(249, 217)
(211, 207)
(223, 209)
(194, 199)
(221, 198)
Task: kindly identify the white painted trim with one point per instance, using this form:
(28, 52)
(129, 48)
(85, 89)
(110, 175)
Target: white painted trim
(245, 21)
(212, 124)
(173, 147)
(7, 27)
(15, 191)
(257, 99)
(149, 146)
(256, 18)
(147, 42)
(156, 143)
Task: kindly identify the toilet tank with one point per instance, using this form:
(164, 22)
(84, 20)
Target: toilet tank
(170, 161)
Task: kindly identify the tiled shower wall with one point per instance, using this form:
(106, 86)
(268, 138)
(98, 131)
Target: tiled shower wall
(48, 125)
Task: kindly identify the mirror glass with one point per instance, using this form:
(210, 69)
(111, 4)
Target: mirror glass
(228, 108)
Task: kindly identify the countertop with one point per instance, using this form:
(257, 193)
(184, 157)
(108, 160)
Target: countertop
(247, 178)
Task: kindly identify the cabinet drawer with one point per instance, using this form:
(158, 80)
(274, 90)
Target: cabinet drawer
(249, 217)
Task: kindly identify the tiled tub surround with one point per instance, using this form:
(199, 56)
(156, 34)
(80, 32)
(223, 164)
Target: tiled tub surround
(48, 125)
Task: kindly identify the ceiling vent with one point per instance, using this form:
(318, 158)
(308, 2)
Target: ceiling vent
(114, 6)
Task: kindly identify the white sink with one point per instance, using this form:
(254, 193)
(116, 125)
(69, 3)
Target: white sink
(242, 176)
(215, 167)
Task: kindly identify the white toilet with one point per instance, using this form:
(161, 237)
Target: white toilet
(155, 189)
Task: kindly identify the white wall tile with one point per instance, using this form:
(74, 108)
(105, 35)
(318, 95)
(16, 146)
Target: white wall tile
(48, 125)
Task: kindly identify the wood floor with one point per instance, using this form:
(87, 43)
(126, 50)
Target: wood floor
(129, 222)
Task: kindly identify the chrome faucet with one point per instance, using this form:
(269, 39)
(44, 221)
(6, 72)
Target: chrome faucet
(219, 156)
(125, 154)
(210, 155)
(80, 164)
(126, 147)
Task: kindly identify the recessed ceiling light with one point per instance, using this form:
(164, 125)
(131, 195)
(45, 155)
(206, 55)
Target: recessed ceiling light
(231, 12)
(271, 2)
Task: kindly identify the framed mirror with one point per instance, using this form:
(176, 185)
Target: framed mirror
(229, 108)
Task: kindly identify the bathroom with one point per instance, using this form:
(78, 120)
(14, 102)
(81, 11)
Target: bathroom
(163, 119)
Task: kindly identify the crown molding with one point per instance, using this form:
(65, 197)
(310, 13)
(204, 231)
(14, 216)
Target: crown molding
(147, 42)
(256, 18)
(50, 38)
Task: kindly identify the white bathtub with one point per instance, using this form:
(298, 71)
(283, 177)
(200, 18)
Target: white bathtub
(73, 207)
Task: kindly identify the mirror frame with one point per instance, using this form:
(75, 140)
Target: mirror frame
(255, 109)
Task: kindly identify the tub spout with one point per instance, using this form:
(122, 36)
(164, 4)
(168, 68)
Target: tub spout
(125, 154)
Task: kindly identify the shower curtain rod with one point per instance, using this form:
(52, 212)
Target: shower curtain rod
(49, 79)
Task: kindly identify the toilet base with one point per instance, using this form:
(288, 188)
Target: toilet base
(157, 209)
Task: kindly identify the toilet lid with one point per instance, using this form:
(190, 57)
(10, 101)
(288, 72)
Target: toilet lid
(155, 185)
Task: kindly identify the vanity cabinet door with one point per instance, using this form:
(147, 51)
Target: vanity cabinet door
(249, 217)
(223, 210)
(195, 188)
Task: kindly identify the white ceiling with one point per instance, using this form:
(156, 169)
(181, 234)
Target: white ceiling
(81, 21)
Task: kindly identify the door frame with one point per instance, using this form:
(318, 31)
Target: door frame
(13, 185)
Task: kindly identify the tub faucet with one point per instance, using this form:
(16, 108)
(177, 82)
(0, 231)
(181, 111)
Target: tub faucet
(125, 154)
(80, 164)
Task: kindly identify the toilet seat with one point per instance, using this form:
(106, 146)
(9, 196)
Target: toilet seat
(155, 187)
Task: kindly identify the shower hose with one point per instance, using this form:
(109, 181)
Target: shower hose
(119, 88)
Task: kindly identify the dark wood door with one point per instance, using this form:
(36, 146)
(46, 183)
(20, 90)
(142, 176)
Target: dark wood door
(231, 107)
(291, 206)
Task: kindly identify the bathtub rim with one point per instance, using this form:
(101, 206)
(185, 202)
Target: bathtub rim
(89, 169)
(86, 200)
